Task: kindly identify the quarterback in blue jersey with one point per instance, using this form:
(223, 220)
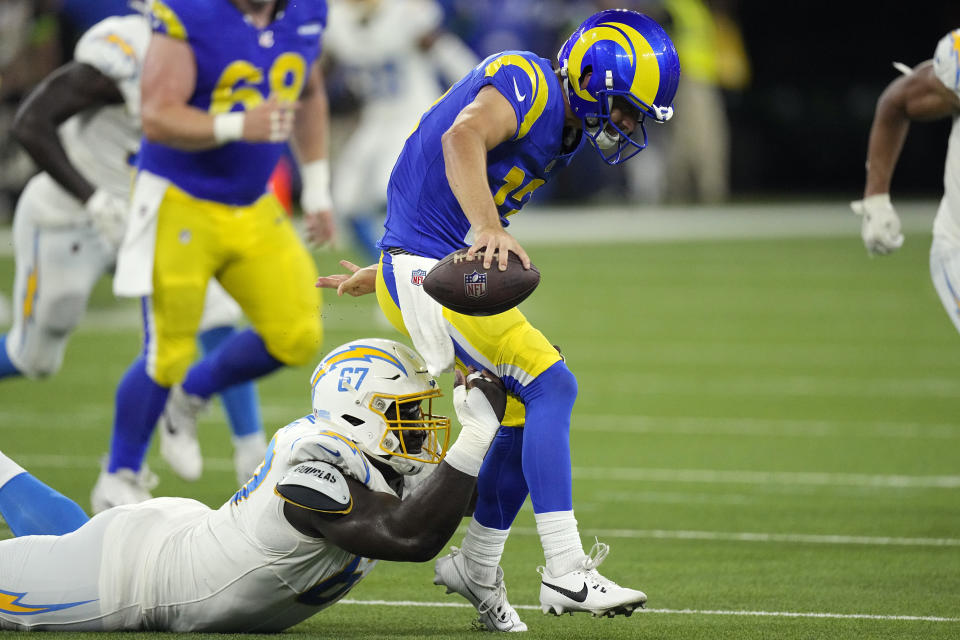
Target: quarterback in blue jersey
(226, 83)
(474, 160)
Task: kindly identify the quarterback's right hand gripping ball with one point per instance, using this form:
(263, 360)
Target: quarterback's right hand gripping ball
(466, 287)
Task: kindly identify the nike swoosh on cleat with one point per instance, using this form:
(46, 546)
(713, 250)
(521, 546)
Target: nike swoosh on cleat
(576, 596)
(520, 96)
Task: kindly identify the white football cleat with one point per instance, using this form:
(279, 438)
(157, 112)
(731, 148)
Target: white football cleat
(584, 589)
(178, 433)
(496, 614)
(125, 486)
(248, 452)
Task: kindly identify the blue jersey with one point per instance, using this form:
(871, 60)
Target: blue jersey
(238, 67)
(423, 215)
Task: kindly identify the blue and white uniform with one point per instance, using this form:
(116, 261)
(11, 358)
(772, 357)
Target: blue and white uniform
(173, 564)
(945, 251)
(60, 255)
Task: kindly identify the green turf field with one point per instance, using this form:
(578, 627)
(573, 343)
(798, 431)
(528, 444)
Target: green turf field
(766, 436)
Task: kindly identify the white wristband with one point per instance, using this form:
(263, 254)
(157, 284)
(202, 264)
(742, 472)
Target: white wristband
(315, 177)
(878, 199)
(228, 127)
(466, 454)
(478, 424)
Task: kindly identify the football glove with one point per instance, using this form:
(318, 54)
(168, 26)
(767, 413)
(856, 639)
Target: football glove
(881, 225)
(479, 419)
(109, 215)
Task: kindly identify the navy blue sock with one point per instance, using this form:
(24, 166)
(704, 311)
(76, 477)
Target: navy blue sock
(139, 404)
(240, 400)
(501, 487)
(241, 358)
(32, 508)
(548, 403)
(367, 232)
(7, 368)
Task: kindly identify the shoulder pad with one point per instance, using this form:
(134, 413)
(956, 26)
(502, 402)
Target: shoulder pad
(946, 61)
(114, 47)
(334, 449)
(317, 486)
(518, 76)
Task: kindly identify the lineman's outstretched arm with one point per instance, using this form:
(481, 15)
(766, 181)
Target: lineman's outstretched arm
(72, 88)
(169, 80)
(479, 127)
(919, 96)
(416, 529)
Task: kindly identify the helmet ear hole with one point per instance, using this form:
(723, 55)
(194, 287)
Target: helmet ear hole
(355, 421)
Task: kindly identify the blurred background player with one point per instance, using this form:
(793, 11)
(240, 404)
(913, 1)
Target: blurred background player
(396, 59)
(476, 158)
(335, 495)
(70, 218)
(930, 91)
(223, 89)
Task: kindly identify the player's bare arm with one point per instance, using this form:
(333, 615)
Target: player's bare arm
(359, 282)
(919, 96)
(67, 91)
(169, 80)
(310, 134)
(482, 125)
(382, 526)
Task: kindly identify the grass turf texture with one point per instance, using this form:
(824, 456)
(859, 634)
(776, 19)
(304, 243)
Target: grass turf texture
(739, 402)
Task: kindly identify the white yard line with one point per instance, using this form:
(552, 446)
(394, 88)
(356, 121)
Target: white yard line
(688, 425)
(701, 612)
(587, 224)
(225, 465)
(97, 417)
(812, 478)
(732, 536)
(704, 476)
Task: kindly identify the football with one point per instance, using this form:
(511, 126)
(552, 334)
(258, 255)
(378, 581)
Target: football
(466, 287)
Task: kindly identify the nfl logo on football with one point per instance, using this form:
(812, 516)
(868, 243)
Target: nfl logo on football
(475, 284)
(416, 278)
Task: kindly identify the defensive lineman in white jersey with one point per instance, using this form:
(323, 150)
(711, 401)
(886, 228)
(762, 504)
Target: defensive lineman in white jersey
(363, 477)
(930, 91)
(66, 239)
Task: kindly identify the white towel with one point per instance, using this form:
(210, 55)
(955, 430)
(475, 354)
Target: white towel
(134, 275)
(422, 315)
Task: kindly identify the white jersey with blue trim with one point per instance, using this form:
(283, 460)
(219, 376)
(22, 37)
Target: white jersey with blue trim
(101, 142)
(946, 66)
(242, 568)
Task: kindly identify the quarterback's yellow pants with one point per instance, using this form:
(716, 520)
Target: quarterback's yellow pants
(256, 255)
(505, 343)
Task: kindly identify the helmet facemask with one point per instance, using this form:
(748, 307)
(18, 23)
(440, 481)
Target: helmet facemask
(412, 436)
(618, 145)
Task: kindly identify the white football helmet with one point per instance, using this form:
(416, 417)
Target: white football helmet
(370, 391)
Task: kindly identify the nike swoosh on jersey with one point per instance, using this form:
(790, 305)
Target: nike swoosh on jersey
(577, 596)
(520, 96)
(333, 452)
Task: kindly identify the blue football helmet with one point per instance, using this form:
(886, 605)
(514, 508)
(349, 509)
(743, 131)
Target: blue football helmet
(627, 56)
